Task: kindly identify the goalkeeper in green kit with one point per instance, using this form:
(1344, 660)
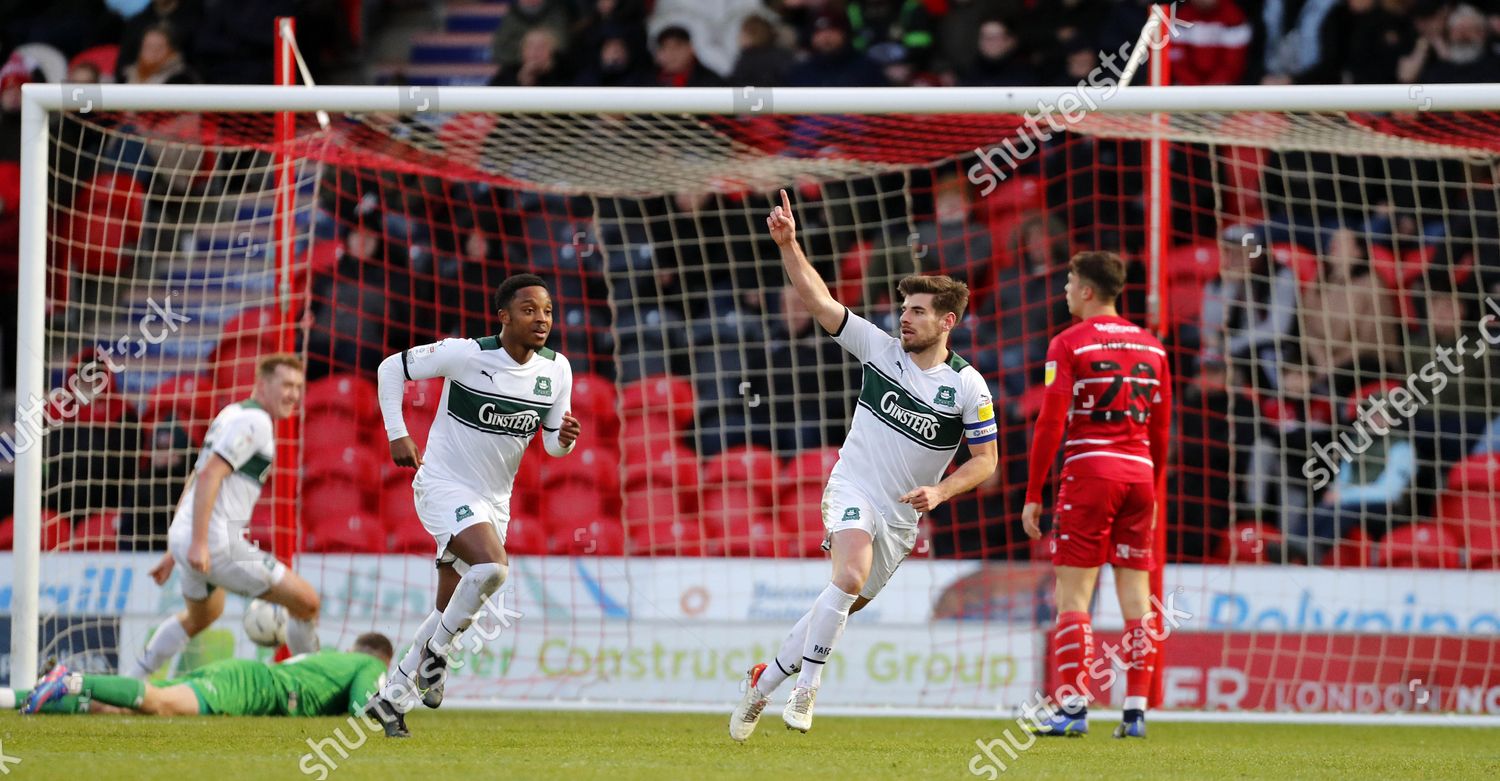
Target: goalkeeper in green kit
(326, 683)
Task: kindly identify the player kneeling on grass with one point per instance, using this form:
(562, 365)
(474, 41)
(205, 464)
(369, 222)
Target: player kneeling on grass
(499, 391)
(206, 539)
(1109, 388)
(918, 403)
(327, 683)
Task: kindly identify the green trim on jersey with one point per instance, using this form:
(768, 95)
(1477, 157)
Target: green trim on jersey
(251, 404)
(956, 361)
(547, 352)
(257, 468)
(908, 415)
(488, 342)
(493, 413)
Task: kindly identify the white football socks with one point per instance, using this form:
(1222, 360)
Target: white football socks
(828, 616)
(468, 599)
(788, 661)
(168, 641)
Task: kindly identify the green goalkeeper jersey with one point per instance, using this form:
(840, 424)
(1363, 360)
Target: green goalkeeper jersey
(329, 683)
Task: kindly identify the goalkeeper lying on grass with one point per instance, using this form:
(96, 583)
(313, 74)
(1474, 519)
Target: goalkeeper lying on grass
(326, 683)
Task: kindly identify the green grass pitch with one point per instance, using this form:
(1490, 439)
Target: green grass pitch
(528, 745)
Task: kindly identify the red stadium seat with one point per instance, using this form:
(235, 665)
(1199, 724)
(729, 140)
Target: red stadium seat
(596, 465)
(1247, 540)
(1242, 171)
(346, 395)
(98, 532)
(526, 537)
(580, 537)
(578, 499)
(649, 433)
(104, 57)
(234, 366)
(1423, 545)
(736, 528)
(850, 283)
(750, 465)
(348, 463)
(1354, 550)
(331, 501)
(811, 466)
(799, 507)
(1483, 544)
(187, 398)
(255, 327)
(643, 505)
(404, 532)
(673, 396)
(1299, 260)
(56, 531)
(105, 222)
(8, 533)
(667, 538)
(1196, 262)
(675, 466)
(805, 544)
(1471, 497)
(594, 404)
(350, 531)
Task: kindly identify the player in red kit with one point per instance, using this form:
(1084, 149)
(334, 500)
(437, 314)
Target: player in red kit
(1109, 389)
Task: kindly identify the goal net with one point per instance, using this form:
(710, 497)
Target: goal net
(1332, 521)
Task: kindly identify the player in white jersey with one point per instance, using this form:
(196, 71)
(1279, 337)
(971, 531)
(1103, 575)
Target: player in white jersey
(207, 536)
(499, 391)
(919, 401)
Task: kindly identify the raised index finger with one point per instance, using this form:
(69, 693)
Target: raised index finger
(786, 203)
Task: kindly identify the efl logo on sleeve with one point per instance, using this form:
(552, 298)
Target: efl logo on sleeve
(1051, 373)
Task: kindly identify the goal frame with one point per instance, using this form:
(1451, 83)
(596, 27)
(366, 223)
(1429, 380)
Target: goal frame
(39, 101)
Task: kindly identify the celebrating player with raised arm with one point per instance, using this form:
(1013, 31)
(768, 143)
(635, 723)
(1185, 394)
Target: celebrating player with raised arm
(1109, 387)
(498, 392)
(206, 539)
(327, 683)
(918, 402)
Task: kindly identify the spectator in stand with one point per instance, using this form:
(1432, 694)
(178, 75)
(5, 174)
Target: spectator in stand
(834, 62)
(677, 64)
(183, 16)
(603, 17)
(811, 385)
(235, 42)
(159, 62)
(1214, 48)
(621, 61)
(540, 64)
(361, 311)
(467, 278)
(1080, 59)
(1051, 32)
(763, 61)
(1460, 55)
(958, 46)
(164, 470)
(1460, 407)
(1366, 39)
(1215, 437)
(1293, 38)
(1370, 491)
(1000, 62)
(1250, 307)
(1028, 305)
(525, 16)
(901, 28)
(949, 241)
(84, 73)
(1349, 322)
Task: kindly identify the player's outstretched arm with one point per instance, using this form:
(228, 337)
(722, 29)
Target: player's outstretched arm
(810, 287)
(390, 388)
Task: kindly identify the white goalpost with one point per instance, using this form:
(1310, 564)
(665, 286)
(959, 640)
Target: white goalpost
(650, 572)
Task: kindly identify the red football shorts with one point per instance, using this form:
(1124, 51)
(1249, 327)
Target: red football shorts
(1101, 520)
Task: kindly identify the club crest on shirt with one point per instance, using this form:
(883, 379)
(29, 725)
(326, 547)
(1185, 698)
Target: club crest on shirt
(543, 387)
(947, 396)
